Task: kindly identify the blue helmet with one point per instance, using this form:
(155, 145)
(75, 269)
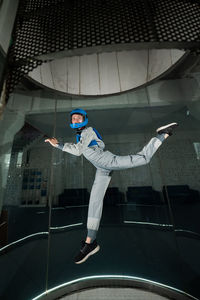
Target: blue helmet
(82, 112)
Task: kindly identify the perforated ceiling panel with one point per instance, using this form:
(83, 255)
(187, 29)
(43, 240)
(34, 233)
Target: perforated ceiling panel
(46, 26)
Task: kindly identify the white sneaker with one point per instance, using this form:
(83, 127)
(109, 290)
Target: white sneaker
(167, 128)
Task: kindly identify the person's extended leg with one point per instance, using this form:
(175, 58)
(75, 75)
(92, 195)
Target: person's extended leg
(118, 162)
(90, 246)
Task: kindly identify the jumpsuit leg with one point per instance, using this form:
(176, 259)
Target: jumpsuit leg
(117, 162)
(101, 182)
(108, 163)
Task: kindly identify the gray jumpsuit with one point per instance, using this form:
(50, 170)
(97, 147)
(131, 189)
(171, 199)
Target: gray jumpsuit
(105, 162)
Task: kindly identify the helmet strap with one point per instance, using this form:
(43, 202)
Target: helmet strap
(79, 130)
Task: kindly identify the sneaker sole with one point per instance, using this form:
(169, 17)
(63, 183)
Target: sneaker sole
(89, 254)
(166, 126)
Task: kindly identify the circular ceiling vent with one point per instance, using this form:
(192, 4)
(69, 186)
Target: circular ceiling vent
(105, 73)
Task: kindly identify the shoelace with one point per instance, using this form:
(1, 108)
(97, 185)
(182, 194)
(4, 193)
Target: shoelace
(85, 247)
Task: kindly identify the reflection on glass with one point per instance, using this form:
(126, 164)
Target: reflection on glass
(25, 212)
(197, 149)
(150, 221)
(179, 169)
(139, 218)
(134, 205)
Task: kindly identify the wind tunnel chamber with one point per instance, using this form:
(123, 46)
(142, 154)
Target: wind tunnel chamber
(130, 84)
(149, 227)
(147, 210)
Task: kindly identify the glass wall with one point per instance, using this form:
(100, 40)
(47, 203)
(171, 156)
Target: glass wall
(2, 62)
(179, 178)
(26, 167)
(149, 227)
(136, 220)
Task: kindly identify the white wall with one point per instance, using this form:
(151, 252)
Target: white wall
(105, 73)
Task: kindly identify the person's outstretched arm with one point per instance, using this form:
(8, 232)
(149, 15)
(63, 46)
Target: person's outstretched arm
(87, 136)
(52, 141)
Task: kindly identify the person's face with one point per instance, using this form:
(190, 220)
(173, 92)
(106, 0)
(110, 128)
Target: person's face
(77, 118)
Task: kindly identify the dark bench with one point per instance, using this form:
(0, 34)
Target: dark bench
(143, 195)
(74, 197)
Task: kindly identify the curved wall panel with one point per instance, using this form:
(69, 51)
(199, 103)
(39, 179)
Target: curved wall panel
(105, 73)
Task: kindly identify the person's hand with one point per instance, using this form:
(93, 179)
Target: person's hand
(52, 141)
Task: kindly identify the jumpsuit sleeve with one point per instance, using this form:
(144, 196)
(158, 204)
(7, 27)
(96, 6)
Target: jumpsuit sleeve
(87, 136)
